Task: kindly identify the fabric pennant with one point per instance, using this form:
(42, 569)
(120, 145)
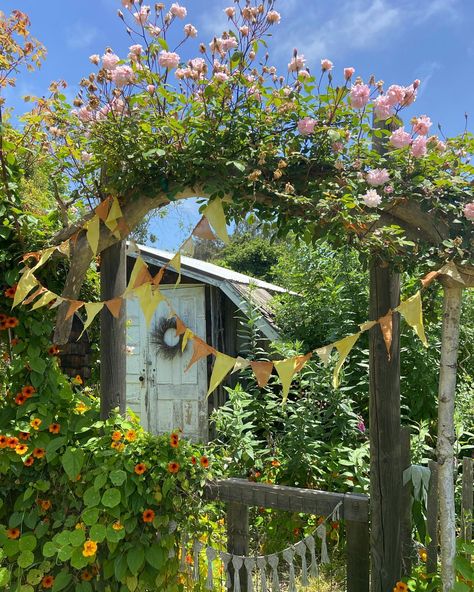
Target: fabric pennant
(412, 312)
(158, 277)
(180, 326)
(139, 276)
(45, 255)
(262, 371)
(115, 306)
(175, 263)
(343, 346)
(188, 334)
(25, 285)
(286, 370)
(44, 300)
(429, 278)
(149, 299)
(214, 213)
(222, 366)
(102, 210)
(386, 323)
(74, 305)
(240, 364)
(35, 294)
(367, 326)
(92, 309)
(200, 350)
(187, 248)
(203, 230)
(93, 234)
(115, 213)
(325, 353)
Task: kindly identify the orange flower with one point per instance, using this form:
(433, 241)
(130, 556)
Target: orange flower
(35, 423)
(53, 350)
(20, 399)
(173, 467)
(193, 460)
(86, 575)
(148, 516)
(204, 462)
(140, 468)
(47, 582)
(11, 322)
(39, 452)
(117, 525)
(12, 442)
(24, 435)
(335, 525)
(45, 504)
(3, 441)
(120, 446)
(21, 449)
(28, 390)
(10, 292)
(189, 559)
(114, 445)
(54, 428)
(13, 533)
(131, 435)
(3, 325)
(29, 461)
(174, 440)
(116, 436)
(90, 548)
(400, 587)
(77, 380)
(276, 463)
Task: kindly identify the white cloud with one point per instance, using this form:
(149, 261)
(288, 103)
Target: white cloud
(81, 36)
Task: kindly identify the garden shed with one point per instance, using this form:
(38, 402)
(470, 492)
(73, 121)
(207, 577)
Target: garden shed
(209, 299)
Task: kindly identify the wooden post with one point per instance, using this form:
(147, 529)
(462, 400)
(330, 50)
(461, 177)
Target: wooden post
(112, 331)
(358, 556)
(238, 537)
(384, 423)
(467, 491)
(432, 519)
(406, 514)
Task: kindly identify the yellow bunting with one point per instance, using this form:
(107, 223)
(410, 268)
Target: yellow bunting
(262, 371)
(115, 213)
(93, 234)
(286, 370)
(44, 300)
(149, 299)
(387, 330)
(325, 353)
(25, 285)
(412, 311)
(367, 325)
(222, 366)
(175, 263)
(240, 364)
(214, 212)
(74, 305)
(343, 346)
(59, 300)
(188, 334)
(200, 350)
(92, 310)
(187, 248)
(102, 210)
(139, 276)
(46, 254)
(114, 305)
(203, 230)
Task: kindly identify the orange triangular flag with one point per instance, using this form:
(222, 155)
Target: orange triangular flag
(262, 371)
(74, 305)
(301, 361)
(180, 327)
(203, 230)
(200, 350)
(36, 293)
(386, 328)
(122, 228)
(114, 306)
(429, 277)
(102, 210)
(159, 276)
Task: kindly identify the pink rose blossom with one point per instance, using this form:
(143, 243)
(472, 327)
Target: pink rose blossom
(84, 114)
(182, 73)
(359, 95)
(416, 83)
(123, 75)
(468, 211)
(326, 65)
(244, 31)
(421, 125)
(110, 61)
(410, 95)
(273, 17)
(216, 45)
(377, 177)
(95, 58)
(253, 92)
(221, 76)
(168, 59)
(199, 64)
(337, 146)
(348, 73)
(230, 11)
(388, 189)
(306, 126)
(127, 3)
(304, 74)
(400, 138)
(418, 147)
(178, 11)
(396, 94)
(229, 43)
(190, 30)
(297, 63)
(383, 107)
(136, 49)
(142, 16)
(154, 30)
(151, 89)
(372, 199)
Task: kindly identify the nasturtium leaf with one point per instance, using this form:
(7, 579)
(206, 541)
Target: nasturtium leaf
(72, 461)
(77, 537)
(78, 561)
(100, 481)
(49, 549)
(26, 588)
(25, 559)
(156, 556)
(61, 580)
(64, 554)
(91, 497)
(135, 559)
(90, 516)
(120, 567)
(111, 497)
(27, 543)
(118, 477)
(4, 576)
(34, 576)
(10, 547)
(98, 533)
(114, 536)
(62, 538)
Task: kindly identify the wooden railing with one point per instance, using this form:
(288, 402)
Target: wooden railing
(240, 494)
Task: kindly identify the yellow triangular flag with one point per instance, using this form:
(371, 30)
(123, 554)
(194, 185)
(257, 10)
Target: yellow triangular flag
(175, 263)
(188, 334)
(115, 213)
(139, 275)
(367, 325)
(93, 233)
(46, 254)
(343, 346)
(240, 364)
(222, 366)
(214, 212)
(286, 370)
(149, 300)
(44, 300)
(92, 310)
(412, 311)
(25, 285)
(325, 353)
(187, 248)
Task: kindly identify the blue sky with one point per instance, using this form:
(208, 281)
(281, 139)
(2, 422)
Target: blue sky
(396, 40)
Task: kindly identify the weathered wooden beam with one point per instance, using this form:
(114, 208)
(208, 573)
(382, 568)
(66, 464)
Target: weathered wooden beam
(358, 556)
(355, 506)
(432, 519)
(238, 537)
(406, 515)
(467, 502)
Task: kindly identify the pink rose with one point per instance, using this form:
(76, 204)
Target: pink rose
(326, 65)
(216, 45)
(244, 31)
(110, 61)
(221, 76)
(84, 114)
(304, 74)
(468, 211)
(142, 16)
(178, 11)
(348, 73)
(377, 177)
(168, 59)
(136, 49)
(199, 64)
(409, 96)
(253, 92)
(229, 43)
(388, 189)
(151, 89)
(421, 125)
(297, 63)
(95, 58)
(127, 3)
(372, 199)
(182, 73)
(154, 30)
(230, 11)
(400, 138)
(123, 75)
(383, 107)
(306, 126)
(273, 17)
(396, 94)
(190, 30)
(418, 147)
(359, 95)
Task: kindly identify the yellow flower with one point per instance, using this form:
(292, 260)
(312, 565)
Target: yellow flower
(131, 435)
(120, 447)
(35, 423)
(21, 449)
(117, 525)
(423, 555)
(116, 436)
(80, 526)
(90, 548)
(81, 407)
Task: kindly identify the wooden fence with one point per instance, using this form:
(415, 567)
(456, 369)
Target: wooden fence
(240, 494)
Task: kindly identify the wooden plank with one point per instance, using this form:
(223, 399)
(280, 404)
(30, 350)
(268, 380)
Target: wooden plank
(309, 501)
(238, 537)
(384, 416)
(112, 331)
(358, 556)
(467, 491)
(432, 519)
(406, 514)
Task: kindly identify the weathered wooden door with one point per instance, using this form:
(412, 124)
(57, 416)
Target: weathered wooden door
(158, 389)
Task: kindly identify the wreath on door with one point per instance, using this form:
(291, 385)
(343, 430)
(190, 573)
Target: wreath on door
(158, 338)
